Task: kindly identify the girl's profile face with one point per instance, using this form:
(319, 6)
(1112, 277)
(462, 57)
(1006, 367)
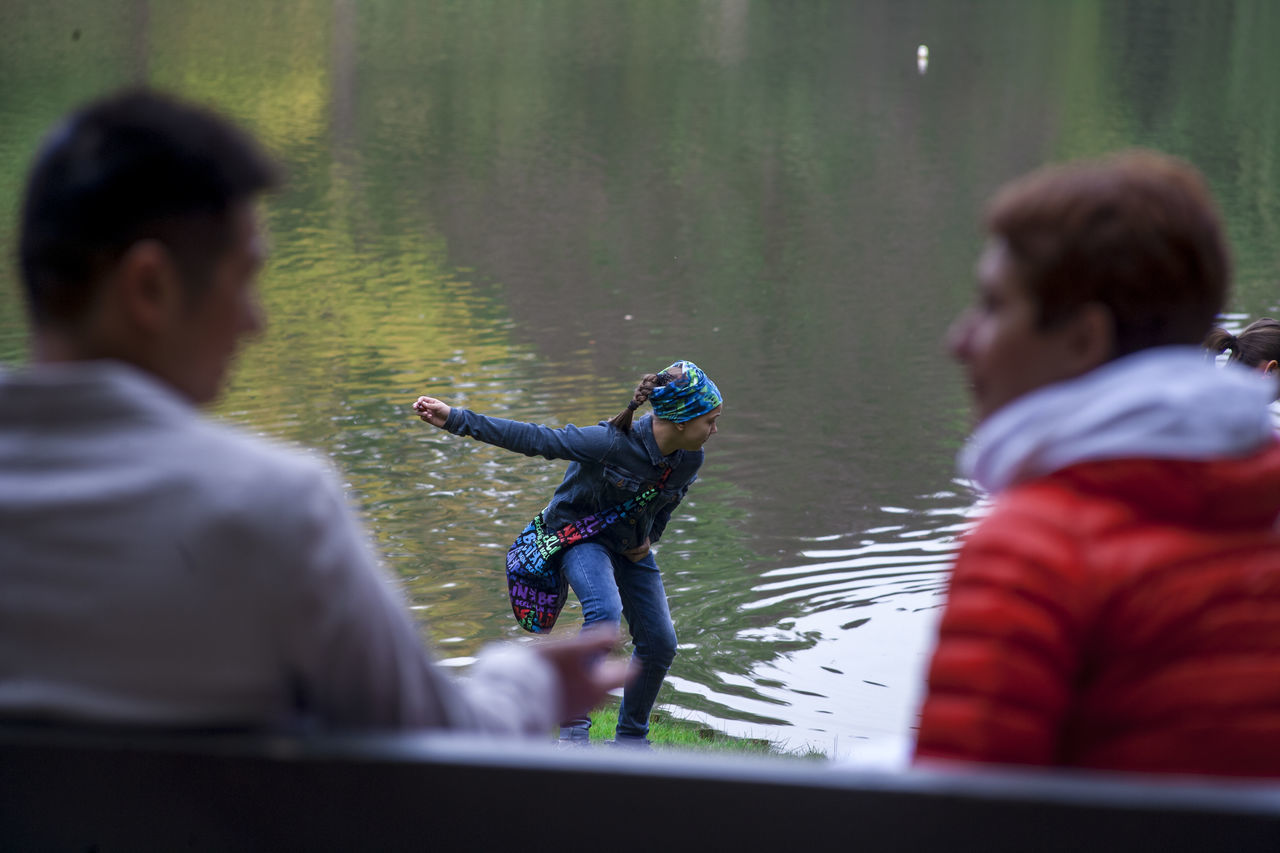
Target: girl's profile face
(694, 433)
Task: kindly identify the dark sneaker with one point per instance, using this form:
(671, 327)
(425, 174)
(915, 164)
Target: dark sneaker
(625, 742)
(573, 737)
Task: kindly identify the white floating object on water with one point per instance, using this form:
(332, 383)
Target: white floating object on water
(922, 58)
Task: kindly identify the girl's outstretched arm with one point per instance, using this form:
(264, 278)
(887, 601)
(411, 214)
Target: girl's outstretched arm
(431, 410)
(587, 444)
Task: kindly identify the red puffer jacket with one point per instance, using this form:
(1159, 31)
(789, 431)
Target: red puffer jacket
(1121, 615)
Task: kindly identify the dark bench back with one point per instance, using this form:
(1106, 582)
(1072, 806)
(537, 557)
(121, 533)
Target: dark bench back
(97, 791)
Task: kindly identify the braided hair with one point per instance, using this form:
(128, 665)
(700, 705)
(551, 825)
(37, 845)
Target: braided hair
(648, 383)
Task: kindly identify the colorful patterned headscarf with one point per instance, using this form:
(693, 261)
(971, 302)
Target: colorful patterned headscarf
(686, 397)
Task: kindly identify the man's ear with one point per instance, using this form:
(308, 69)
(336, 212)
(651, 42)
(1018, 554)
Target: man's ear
(1091, 337)
(147, 287)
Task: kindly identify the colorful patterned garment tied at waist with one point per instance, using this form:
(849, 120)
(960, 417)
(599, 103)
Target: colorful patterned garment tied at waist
(535, 585)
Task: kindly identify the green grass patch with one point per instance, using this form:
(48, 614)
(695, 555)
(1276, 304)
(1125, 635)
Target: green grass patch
(668, 732)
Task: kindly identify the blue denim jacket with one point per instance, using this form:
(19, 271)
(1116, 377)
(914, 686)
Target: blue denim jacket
(606, 467)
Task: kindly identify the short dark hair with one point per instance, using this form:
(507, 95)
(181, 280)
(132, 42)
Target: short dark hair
(1137, 232)
(133, 166)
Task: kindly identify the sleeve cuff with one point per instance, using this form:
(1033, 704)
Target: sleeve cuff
(512, 682)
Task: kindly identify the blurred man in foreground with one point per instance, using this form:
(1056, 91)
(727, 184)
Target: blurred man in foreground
(1120, 606)
(160, 569)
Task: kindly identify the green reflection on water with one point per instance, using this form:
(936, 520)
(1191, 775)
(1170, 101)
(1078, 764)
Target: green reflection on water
(523, 206)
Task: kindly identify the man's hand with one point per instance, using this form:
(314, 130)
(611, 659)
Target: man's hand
(586, 673)
(431, 410)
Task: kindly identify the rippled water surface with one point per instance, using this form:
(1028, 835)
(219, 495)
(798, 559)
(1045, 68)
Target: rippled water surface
(522, 206)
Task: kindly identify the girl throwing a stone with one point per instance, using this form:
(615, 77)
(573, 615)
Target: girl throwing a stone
(614, 574)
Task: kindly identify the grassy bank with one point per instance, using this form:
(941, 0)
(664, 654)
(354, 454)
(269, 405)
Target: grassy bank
(670, 733)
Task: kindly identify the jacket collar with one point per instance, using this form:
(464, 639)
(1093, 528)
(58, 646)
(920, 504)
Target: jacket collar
(644, 428)
(1163, 403)
(107, 388)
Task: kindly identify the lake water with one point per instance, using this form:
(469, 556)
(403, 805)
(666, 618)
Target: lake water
(522, 206)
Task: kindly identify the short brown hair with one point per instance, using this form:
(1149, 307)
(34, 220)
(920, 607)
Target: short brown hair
(1137, 232)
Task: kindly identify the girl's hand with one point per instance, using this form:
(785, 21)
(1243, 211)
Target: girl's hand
(431, 410)
(639, 552)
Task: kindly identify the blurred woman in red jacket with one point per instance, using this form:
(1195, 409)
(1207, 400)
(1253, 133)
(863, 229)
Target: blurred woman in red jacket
(1120, 605)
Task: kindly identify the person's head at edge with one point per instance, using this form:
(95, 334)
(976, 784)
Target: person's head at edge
(139, 240)
(686, 404)
(1088, 262)
(1257, 346)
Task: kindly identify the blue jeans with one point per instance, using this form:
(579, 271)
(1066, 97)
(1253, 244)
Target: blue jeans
(610, 586)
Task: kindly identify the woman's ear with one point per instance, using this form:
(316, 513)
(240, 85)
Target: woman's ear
(1091, 337)
(1268, 368)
